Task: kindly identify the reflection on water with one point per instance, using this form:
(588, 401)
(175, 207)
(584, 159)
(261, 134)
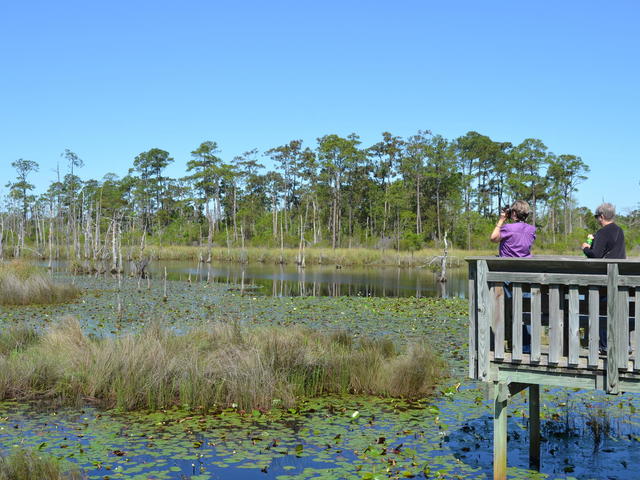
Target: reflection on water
(284, 280)
(315, 280)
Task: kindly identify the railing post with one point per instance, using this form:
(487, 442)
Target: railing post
(594, 326)
(498, 323)
(536, 322)
(556, 324)
(636, 333)
(473, 321)
(484, 318)
(623, 326)
(516, 322)
(574, 325)
(613, 342)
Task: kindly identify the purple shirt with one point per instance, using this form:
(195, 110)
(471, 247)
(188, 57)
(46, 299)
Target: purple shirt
(516, 239)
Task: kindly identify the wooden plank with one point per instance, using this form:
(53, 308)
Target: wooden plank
(516, 322)
(556, 324)
(623, 325)
(563, 363)
(534, 427)
(559, 264)
(485, 314)
(500, 432)
(497, 295)
(612, 330)
(632, 281)
(544, 366)
(473, 323)
(548, 278)
(574, 325)
(536, 322)
(636, 333)
(594, 326)
(561, 314)
(588, 380)
(559, 378)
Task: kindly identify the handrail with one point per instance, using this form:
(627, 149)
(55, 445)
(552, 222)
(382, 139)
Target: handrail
(550, 312)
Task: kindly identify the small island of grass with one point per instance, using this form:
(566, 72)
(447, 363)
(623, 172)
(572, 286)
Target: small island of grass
(22, 283)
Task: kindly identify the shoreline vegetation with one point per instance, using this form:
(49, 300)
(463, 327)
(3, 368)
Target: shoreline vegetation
(312, 256)
(226, 365)
(339, 257)
(25, 464)
(23, 284)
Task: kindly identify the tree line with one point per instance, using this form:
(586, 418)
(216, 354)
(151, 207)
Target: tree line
(400, 193)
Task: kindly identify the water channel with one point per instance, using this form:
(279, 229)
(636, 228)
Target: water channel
(318, 280)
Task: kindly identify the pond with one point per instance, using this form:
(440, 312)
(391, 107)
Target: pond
(448, 436)
(317, 280)
(333, 438)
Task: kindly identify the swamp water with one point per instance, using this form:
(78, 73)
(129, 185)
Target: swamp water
(315, 280)
(448, 436)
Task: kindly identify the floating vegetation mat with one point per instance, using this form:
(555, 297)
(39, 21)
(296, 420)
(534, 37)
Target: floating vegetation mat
(449, 436)
(333, 438)
(109, 308)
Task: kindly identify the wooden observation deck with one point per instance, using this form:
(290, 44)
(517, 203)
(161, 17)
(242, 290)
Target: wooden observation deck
(547, 320)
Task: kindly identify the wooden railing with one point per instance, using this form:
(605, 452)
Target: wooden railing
(563, 321)
(580, 314)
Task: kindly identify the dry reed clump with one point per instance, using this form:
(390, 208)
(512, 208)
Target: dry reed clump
(313, 255)
(25, 464)
(222, 366)
(17, 337)
(24, 284)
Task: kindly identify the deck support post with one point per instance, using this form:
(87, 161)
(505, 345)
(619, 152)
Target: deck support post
(534, 427)
(502, 391)
(501, 396)
(613, 330)
(578, 291)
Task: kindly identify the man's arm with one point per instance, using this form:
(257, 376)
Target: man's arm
(599, 246)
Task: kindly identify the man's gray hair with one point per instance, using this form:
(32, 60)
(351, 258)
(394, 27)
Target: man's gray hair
(606, 211)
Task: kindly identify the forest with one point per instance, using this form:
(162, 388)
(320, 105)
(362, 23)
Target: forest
(397, 194)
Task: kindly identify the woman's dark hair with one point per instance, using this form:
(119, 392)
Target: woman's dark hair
(521, 209)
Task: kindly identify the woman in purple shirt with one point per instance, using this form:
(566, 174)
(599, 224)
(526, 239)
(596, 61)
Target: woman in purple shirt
(515, 238)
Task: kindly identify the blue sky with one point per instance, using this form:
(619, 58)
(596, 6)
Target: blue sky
(109, 80)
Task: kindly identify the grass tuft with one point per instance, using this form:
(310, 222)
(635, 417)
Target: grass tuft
(17, 337)
(221, 366)
(25, 464)
(24, 284)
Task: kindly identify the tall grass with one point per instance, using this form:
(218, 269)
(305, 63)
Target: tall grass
(24, 284)
(17, 337)
(599, 423)
(221, 366)
(25, 464)
(313, 256)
